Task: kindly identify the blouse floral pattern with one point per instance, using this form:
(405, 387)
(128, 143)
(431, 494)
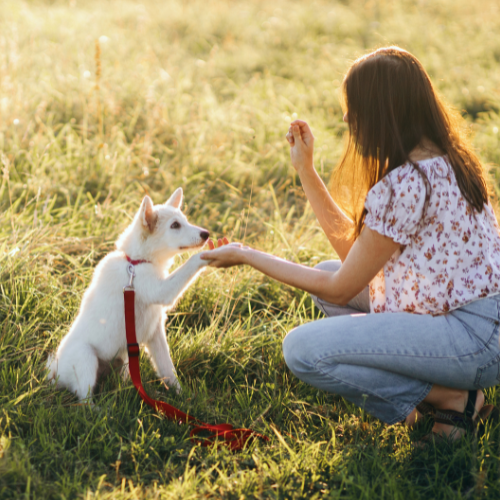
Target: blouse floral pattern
(449, 254)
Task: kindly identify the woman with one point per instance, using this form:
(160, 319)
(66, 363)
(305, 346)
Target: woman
(420, 256)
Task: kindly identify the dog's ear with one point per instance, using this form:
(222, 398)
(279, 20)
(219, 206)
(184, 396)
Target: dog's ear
(176, 199)
(147, 214)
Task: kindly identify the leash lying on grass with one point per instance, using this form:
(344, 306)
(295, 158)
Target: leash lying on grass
(234, 438)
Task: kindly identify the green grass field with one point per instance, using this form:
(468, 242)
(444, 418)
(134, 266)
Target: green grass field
(102, 102)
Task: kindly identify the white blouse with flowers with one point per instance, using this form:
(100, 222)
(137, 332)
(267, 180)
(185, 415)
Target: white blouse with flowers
(449, 255)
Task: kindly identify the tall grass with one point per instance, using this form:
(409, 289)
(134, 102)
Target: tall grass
(101, 102)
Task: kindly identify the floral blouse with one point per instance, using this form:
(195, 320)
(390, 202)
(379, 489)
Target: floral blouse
(449, 255)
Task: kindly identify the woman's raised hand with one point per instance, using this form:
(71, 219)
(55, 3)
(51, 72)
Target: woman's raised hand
(301, 142)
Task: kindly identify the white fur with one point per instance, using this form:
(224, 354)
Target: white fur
(97, 335)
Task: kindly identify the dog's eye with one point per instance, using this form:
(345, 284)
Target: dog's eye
(175, 225)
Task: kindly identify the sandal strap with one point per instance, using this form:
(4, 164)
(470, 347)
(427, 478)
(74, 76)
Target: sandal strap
(463, 420)
(425, 408)
(455, 418)
(470, 407)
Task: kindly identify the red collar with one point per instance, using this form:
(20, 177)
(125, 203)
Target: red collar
(135, 262)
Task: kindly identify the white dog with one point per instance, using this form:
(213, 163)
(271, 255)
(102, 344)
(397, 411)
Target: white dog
(97, 340)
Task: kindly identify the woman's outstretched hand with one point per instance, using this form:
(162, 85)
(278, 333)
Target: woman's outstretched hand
(301, 142)
(225, 255)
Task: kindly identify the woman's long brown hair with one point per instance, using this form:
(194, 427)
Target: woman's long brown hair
(391, 107)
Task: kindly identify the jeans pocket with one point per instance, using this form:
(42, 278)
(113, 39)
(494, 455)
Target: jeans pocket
(488, 375)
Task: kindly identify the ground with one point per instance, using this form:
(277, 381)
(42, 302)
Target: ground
(102, 102)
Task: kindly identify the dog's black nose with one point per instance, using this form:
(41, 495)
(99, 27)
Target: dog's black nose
(204, 235)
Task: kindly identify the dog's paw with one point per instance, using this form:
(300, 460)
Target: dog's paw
(88, 402)
(197, 262)
(173, 386)
(125, 373)
(201, 263)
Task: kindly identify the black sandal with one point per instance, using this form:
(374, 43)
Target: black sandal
(425, 409)
(463, 420)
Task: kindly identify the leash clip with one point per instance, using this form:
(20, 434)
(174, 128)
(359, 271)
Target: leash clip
(131, 273)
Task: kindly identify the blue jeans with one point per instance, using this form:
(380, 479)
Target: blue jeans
(387, 363)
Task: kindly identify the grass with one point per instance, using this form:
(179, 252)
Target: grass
(199, 95)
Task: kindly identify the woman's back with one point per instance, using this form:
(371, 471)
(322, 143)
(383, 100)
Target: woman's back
(450, 253)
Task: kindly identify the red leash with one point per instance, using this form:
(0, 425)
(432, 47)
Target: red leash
(234, 438)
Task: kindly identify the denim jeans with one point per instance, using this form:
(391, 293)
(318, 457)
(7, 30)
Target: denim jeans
(387, 363)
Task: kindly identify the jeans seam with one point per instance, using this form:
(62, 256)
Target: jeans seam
(493, 340)
(399, 355)
(495, 323)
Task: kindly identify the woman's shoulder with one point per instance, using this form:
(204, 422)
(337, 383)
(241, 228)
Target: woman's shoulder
(437, 166)
(401, 179)
(408, 176)
(397, 203)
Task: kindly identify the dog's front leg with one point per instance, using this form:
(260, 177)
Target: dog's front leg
(168, 291)
(160, 356)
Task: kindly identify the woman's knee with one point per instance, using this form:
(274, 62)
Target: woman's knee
(290, 347)
(296, 352)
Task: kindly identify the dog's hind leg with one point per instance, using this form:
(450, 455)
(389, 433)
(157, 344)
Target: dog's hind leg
(77, 370)
(125, 371)
(160, 356)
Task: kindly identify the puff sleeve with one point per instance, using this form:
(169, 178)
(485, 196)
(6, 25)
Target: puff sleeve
(395, 205)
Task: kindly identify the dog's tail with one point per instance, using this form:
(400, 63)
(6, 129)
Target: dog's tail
(52, 368)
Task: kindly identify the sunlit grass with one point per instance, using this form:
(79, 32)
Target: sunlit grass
(200, 95)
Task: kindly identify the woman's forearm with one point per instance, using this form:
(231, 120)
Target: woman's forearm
(314, 281)
(334, 222)
(367, 256)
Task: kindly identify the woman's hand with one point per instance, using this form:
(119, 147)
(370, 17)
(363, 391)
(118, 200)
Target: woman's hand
(226, 255)
(301, 142)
